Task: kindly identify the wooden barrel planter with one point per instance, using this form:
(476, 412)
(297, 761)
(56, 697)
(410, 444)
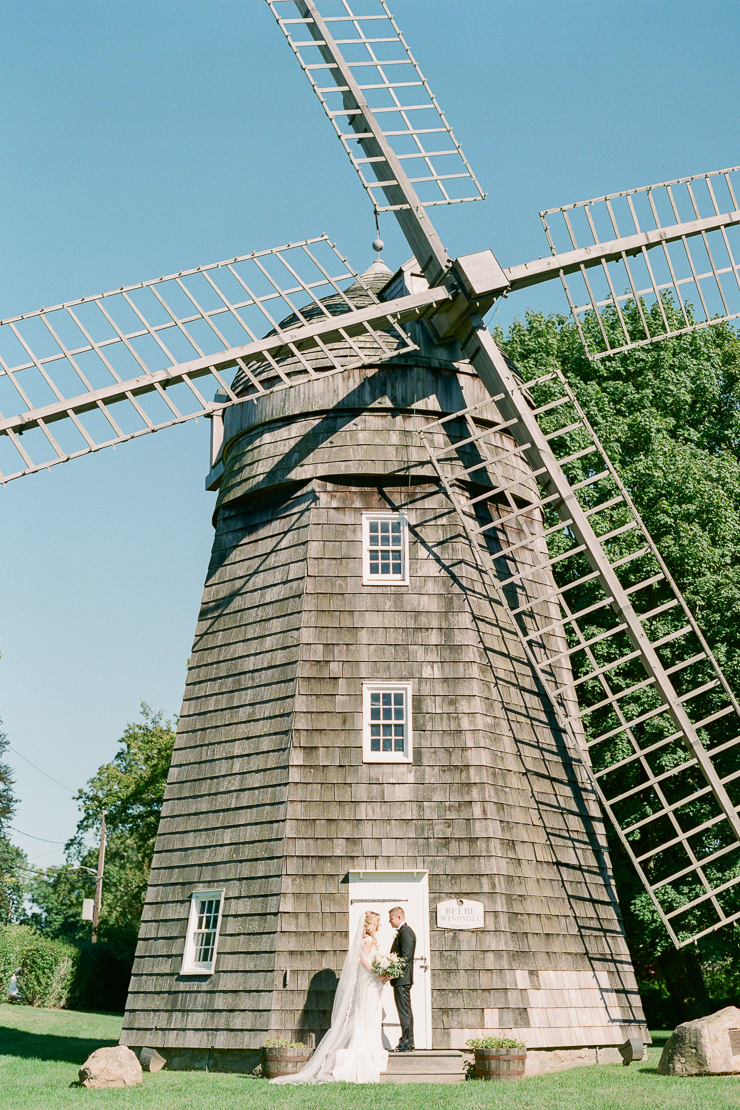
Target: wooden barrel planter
(500, 1064)
(280, 1060)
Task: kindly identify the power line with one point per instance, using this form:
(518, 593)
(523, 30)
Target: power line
(67, 788)
(43, 855)
(42, 838)
(64, 867)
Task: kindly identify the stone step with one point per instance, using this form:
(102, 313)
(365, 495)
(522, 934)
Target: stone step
(425, 1066)
(418, 1061)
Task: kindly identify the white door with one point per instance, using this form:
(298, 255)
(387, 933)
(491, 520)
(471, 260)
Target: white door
(380, 891)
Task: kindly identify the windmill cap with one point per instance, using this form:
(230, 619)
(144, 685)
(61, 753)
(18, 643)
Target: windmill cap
(376, 276)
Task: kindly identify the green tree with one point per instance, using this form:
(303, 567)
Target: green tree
(13, 873)
(7, 797)
(668, 415)
(56, 895)
(12, 859)
(130, 789)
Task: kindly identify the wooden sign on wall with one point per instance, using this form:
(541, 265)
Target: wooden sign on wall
(460, 913)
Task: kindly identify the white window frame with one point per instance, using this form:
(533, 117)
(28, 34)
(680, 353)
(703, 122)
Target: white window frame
(189, 965)
(368, 755)
(384, 579)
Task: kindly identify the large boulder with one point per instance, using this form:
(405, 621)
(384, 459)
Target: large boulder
(111, 1067)
(705, 1046)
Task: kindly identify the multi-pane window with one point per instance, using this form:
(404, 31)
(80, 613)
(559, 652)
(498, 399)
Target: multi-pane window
(387, 722)
(203, 927)
(204, 934)
(385, 549)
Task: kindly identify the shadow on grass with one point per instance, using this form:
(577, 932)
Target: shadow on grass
(47, 1046)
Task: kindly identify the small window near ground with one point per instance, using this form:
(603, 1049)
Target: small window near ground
(204, 923)
(387, 722)
(385, 549)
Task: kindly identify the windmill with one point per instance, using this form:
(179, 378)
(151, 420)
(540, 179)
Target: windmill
(537, 534)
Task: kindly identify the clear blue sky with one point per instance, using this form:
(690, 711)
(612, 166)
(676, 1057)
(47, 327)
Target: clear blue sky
(145, 137)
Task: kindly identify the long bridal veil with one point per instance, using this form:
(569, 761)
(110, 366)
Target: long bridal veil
(321, 1065)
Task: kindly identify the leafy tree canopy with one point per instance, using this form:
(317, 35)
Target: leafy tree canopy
(130, 789)
(7, 798)
(668, 415)
(13, 867)
(12, 859)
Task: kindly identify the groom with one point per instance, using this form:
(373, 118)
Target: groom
(404, 945)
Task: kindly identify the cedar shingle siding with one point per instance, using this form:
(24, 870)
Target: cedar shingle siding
(268, 796)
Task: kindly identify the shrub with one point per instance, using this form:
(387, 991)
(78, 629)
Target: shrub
(13, 940)
(494, 1042)
(60, 975)
(47, 972)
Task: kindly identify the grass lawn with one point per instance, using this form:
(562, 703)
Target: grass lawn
(41, 1050)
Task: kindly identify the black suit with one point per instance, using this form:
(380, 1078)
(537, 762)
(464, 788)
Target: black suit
(404, 945)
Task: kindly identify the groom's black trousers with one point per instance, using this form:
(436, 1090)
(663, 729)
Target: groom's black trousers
(402, 996)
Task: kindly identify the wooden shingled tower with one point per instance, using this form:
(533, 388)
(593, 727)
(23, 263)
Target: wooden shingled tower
(436, 644)
(274, 803)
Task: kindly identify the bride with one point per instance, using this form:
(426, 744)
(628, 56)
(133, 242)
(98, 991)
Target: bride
(352, 1050)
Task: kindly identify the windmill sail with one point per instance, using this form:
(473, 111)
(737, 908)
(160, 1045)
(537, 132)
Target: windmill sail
(377, 91)
(390, 113)
(664, 260)
(101, 370)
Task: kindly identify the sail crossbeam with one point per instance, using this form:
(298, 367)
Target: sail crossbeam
(645, 264)
(105, 369)
(372, 70)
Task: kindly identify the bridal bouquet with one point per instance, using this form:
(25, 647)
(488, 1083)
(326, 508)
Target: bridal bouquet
(389, 966)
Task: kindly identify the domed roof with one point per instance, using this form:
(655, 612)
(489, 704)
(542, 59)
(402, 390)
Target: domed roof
(357, 295)
(376, 276)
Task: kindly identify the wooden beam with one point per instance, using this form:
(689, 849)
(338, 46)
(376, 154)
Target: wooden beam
(351, 323)
(542, 269)
(415, 224)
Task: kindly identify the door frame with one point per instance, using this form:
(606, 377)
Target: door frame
(385, 889)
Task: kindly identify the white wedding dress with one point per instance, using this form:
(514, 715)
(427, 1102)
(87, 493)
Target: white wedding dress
(352, 1050)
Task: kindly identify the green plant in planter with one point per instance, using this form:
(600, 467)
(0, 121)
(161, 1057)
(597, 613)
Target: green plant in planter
(283, 1057)
(498, 1059)
(280, 1042)
(494, 1042)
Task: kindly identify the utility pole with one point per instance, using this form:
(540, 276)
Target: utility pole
(99, 882)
